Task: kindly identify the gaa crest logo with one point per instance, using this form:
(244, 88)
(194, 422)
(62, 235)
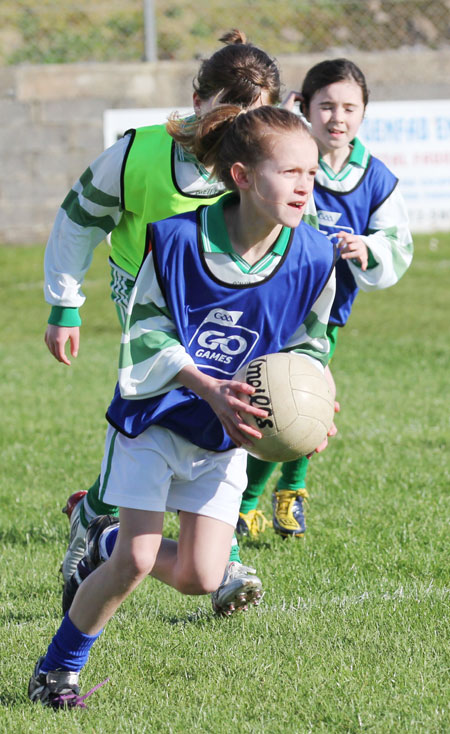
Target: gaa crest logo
(220, 343)
(329, 225)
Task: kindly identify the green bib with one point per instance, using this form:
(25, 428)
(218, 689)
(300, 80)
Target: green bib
(149, 193)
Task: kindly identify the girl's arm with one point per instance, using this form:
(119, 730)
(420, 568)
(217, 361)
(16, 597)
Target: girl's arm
(389, 243)
(89, 212)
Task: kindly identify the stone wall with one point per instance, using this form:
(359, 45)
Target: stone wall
(51, 118)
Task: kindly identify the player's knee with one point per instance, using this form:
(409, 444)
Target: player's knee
(195, 583)
(194, 587)
(132, 567)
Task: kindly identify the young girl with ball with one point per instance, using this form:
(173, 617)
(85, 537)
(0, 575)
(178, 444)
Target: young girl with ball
(361, 210)
(145, 176)
(208, 297)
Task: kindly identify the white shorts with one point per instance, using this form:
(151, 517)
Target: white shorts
(161, 471)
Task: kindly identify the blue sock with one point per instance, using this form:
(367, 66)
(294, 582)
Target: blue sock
(69, 649)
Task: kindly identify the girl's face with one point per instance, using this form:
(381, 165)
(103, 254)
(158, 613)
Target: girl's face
(336, 113)
(282, 183)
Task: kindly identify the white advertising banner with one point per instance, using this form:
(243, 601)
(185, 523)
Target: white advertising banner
(412, 138)
(115, 122)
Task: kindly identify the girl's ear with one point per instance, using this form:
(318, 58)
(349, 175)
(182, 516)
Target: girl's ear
(304, 110)
(241, 175)
(196, 101)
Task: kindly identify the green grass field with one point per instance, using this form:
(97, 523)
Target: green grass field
(353, 631)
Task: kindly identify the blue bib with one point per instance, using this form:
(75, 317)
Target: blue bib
(350, 211)
(222, 326)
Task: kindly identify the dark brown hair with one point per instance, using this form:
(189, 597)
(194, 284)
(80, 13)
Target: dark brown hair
(228, 134)
(238, 73)
(329, 72)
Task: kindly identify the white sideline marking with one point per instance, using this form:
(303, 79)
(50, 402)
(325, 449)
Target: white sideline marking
(401, 594)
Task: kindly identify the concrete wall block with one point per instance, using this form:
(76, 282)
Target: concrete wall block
(45, 165)
(8, 82)
(23, 234)
(75, 110)
(16, 222)
(13, 166)
(87, 136)
(34, 187)
(26, 221)
(13, 141)
(56, 81)
(21, 138)
(13, 113)
(74, 81)
(36, 176)
(12, 182)
(79, 158)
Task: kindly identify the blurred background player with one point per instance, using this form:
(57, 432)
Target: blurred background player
(360, 208)
(144, 177)
(175, 435)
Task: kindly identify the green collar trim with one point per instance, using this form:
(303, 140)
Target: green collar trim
(215, 236)
(359, 156)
